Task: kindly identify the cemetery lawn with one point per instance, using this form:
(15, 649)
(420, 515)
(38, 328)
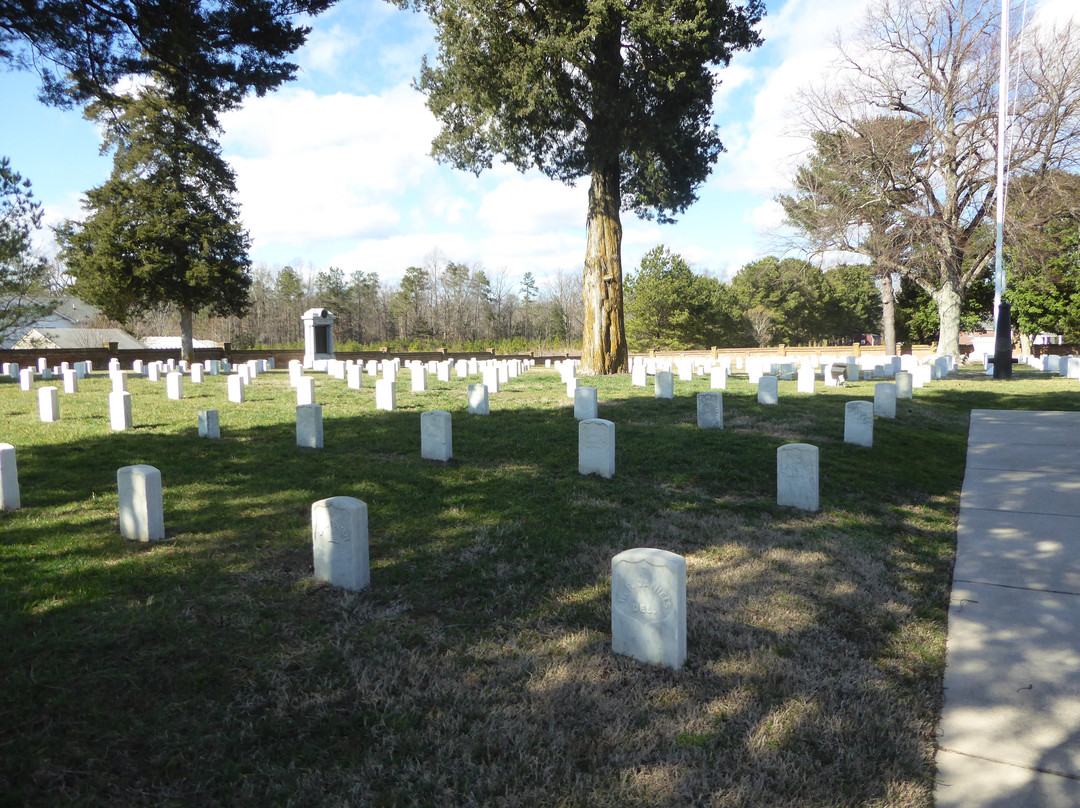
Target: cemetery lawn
(212, 669)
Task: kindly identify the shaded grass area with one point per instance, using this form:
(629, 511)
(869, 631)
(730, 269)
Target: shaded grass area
(476, 670)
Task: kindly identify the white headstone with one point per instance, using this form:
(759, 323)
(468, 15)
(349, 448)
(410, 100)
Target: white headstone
(385, 394)
(419, 379)
(478, 400)
(209, 426)
(48, 404)
(768, 390)
(236, 388)
(491, 379)
(797, 476)
(436, 436)
(120, 411)
(305, 391)
(859, 423)
(153, 371)
(639, 377)
(903, 382)
(26, 379)
(462, 370)
(174, 385)
(442, 372)
(596, 447)
(9, 479)
(648, 606)
(885, 399)
(197, 374)
(339, 538)
(664, 384)
(309, 429)
(585, 403)
(354, 377)
(141, 511)
(718, 377)
(710, 410)
(571, 387)
(806, 378)
(71, 381)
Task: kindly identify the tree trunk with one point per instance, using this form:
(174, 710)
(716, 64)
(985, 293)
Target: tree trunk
(187, 351)
(603, 341)
(948, 299)
(888, 314)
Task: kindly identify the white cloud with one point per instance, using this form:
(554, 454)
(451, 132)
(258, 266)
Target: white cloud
(325, 48)
(313, 167)
(535, 205)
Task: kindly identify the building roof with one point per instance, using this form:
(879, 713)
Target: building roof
(74, 338)
(174, 343)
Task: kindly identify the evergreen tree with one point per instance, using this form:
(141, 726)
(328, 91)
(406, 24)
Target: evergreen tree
(164, 228)
(618, 92)
(23, 274)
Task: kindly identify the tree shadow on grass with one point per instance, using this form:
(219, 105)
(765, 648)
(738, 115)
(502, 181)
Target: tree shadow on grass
(212, 668)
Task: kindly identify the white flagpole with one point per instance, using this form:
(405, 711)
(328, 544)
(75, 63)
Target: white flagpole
(1002, 330)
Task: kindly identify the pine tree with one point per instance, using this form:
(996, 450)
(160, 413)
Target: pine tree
(164, 228)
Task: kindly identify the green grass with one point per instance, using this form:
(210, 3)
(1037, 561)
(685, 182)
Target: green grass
(211, 668)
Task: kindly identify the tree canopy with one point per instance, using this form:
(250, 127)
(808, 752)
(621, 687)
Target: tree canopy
(223, 49)
(669, 306)
(618, 92)
(22, 271)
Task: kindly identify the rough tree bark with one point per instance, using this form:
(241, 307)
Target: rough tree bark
(603, 348)
(187, 350)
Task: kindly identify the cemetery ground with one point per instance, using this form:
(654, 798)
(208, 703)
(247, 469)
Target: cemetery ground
(213, 669)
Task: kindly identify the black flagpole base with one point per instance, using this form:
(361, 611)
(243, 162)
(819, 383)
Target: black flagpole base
(1003, 343)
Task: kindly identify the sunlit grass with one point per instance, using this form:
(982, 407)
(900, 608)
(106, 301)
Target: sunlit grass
(213, 669)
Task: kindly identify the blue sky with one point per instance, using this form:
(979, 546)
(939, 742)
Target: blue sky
(333, 169)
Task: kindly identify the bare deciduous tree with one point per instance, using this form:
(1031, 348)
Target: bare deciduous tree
(935, 64)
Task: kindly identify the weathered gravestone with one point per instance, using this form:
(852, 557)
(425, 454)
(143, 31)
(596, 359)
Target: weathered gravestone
(208, 424)
(339, 539)
(436, 436)
(664, 384)
(885, 399)
(768, 390)
(478, 399)
(48, 404)
(648, 606)
(585, 406)
(120, 411)
(859, 423)
(9, 479)
(596, 447)
(903, 382)
(797, 476)
(710, 410)
(141, 511)
(309, 426)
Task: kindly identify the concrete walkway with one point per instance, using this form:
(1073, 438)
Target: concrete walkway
(1010, 730)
